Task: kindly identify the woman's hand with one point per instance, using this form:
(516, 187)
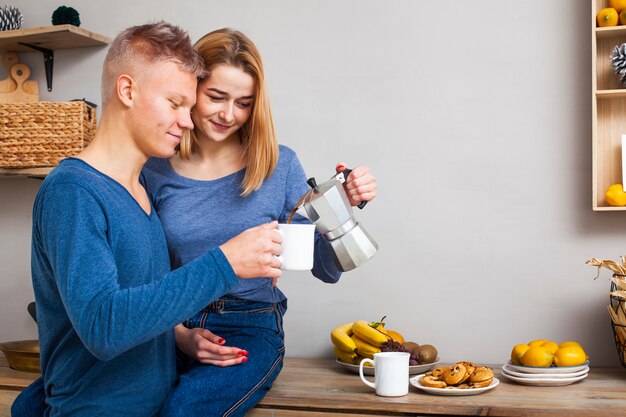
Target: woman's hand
(360, 184)
(207, 348)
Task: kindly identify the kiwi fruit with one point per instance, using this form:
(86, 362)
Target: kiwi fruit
(427, 353)
(410, 346)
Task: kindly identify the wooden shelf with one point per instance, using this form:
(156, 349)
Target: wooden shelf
(51, 37)
(609, 94)
(610, 32)
(24, 172)
(47, 39)
(608, 109)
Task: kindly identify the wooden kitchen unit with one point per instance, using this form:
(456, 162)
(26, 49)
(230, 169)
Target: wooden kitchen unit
(319, 387)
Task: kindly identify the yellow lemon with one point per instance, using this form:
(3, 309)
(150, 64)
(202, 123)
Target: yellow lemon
(537, 342)
(517, 353)
(615, 195)
(607, 17)
(551, 346)
(538, 356)
(569, 343)
(618, 5)
(570, 356)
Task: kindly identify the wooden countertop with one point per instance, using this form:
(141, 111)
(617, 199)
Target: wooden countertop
(319, 387)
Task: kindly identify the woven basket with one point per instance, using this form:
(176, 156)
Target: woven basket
(41, 134)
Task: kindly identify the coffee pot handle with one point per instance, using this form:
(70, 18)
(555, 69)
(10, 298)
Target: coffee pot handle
(345, 173)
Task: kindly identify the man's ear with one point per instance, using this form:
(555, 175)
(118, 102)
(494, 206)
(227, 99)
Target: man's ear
(125, 89)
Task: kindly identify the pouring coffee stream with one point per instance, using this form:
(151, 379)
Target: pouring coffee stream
(327, 206)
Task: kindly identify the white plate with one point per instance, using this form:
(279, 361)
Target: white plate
(506, 369)
(552, 382)
(415, 381)
(549, 370)
(369, 370)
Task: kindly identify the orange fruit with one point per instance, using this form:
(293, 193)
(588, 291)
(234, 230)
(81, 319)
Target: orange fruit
(570, 356)
(517, 353)
(538, 357)
(607, 17)
(537, 342)
(622, 17)
(551, 346)
(618, 5)
(395, 335)
(615, 195)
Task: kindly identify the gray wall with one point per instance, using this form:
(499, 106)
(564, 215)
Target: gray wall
(475, 117)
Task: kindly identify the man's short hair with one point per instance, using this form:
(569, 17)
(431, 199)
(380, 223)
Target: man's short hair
(134, 49)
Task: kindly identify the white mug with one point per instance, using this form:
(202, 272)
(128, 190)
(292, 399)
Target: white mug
(297, 246)
(391, 373)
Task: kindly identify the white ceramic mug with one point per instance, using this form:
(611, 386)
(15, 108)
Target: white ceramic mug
(391, 373)
(297, 246)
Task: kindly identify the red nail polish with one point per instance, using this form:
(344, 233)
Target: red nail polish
(242, 353)
(244, 359)
(221, 341)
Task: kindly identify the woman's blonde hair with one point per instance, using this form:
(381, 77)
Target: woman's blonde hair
(231, 47)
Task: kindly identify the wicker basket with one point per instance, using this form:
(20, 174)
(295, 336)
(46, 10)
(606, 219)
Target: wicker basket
(618, 305)
(41, 134)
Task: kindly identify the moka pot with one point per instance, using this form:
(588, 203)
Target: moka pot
(327, 206)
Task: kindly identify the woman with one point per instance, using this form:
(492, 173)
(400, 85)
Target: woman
(229, 173)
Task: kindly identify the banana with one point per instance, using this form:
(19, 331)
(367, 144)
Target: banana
(340, 336)
(371, 335)
(363, 348)
(345, 356)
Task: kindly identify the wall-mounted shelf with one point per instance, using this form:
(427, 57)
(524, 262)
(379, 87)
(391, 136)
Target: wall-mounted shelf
(25, 172)
(50, 37)
(46, 40)
(608, 109)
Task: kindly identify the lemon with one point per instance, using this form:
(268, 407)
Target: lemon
(569, 343)
(551, 346)
(607, 17)
(537, 342)
(517, 353)
(538, 356)
(615, 195)
(618, 5)
(570, 356)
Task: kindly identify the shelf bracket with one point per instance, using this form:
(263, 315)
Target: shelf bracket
(48, 61)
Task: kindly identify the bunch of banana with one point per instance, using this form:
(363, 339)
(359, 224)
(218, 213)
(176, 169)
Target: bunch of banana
(372, 333)
(357, 340)
(363, 348)
(340, 336)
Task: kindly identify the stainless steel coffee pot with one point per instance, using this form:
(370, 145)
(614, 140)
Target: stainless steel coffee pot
(327, 206)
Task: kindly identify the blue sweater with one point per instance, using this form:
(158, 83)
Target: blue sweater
(106, 299)
(200, 215)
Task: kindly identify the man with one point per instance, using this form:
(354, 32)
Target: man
(106, 299)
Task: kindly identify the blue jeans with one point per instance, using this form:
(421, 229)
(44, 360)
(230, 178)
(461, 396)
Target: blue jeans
(206, 390)
(31, 402)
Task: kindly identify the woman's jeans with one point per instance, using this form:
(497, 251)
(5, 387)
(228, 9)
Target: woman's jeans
(207, 390)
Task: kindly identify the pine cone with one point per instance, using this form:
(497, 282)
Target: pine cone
(618, 62)
(10, 18)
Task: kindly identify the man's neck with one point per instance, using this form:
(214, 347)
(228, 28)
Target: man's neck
(114, 153)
